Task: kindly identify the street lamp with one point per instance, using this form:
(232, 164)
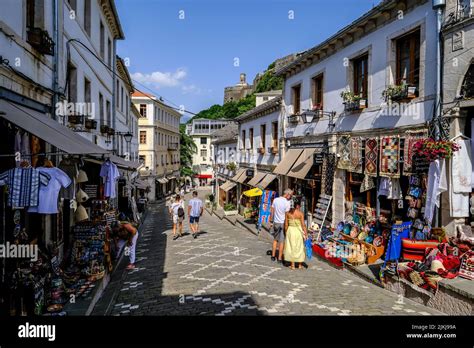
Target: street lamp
(127, 136)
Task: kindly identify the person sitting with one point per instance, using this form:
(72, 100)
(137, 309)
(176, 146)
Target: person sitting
(127, 232)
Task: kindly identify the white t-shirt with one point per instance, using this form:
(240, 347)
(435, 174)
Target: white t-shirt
(48, 195)
(280, 207)
(175, 206)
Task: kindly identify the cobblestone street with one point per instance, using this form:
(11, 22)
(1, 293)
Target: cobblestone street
(226, 271)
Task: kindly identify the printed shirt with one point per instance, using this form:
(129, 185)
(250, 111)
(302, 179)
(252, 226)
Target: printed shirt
(196, 206)
(48, 195)
(110, 173)
(23, 185)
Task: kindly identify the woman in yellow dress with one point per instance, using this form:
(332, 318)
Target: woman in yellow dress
(295, 235)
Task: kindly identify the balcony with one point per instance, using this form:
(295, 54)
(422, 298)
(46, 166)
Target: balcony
(173, 146)
(40, 40)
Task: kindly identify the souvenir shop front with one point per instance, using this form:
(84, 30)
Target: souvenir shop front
(56, 204)
(393, 187)
(254, 190)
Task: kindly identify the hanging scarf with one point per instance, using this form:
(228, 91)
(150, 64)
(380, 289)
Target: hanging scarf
(390, 157)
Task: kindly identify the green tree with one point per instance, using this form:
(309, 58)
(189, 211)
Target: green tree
(187, 149)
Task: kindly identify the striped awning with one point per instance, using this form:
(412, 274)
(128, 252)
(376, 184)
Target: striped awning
(256, 179)
(266, 181)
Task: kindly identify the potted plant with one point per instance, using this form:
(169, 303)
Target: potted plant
(104, 129)
(432, 150)
(91, 124)
(74, 119)
(230, 209)
(231, 166)
(352, 101)
(399, 92)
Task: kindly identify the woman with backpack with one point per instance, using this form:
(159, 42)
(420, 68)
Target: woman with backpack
(177, 213)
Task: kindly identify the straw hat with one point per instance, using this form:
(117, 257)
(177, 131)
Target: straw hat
(81, 196)
(81, 214)
(82, 176)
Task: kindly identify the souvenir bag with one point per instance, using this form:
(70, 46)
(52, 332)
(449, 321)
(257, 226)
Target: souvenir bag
(325, 233)
(415, 180)
(467, 266)
(412, 213)
(309, 248)
(415, 191)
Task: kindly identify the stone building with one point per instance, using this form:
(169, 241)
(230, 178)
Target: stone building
(239, 91)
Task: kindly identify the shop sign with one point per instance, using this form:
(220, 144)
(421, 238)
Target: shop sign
(91, 190)
(250, 172)
(318, 158)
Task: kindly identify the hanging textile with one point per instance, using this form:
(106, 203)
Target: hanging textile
(460, 179)
(390, 157)
(408, 150)
(367, 184)
(23, 185)
(344, 151)
(356, 155)
(371, 156)
(109, 172)
(390, 187)
(437, 184)
(327, 176)
(69, 166)
(265, 207)
(48, 195)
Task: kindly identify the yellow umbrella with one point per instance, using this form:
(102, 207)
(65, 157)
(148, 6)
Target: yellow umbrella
(253, 192)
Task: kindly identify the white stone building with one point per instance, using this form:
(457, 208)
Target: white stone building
(159, 144)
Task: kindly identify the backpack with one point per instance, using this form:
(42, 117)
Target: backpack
(180, 212)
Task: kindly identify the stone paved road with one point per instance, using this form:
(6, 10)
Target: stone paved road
(225, 271)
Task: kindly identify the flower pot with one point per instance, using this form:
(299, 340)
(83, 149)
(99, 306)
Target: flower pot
(231, 212)
(74, 119)
(111, 131)
(104, 129)
(91, 124)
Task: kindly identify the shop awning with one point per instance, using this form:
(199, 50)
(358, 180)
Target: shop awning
(287, 162)
(48, 129)
(239, 174)
(162, 180)
(303, 164)
(242, 177)
(228, 185)
(121, 162)
(255, 192)
(204, 176)
(256, 179)
(141, 184)
(171, 178)
(266, 181)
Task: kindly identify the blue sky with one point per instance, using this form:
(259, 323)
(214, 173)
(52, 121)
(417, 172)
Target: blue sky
(190, 60)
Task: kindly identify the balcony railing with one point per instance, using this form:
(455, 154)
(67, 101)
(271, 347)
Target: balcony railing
(173, 146)
(40, 40)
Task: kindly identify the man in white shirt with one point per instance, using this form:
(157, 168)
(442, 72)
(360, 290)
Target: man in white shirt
(280, 207)
(195, 210)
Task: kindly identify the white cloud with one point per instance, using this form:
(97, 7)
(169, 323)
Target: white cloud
(159, 79)
(193, 89)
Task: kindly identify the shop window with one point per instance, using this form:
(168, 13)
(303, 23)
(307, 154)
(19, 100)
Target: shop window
(360, 66)
(143, 110)
(87, 16)
(408, 59)
(296, 96)
(102, 40)
(317, 97)
(142, 137)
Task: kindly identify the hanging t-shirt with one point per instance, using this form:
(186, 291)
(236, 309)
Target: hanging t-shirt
(48, 195)
(69, 167)
(110, 173)
(23, 185)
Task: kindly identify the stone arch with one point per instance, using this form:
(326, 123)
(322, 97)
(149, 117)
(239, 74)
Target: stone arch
(466, 84)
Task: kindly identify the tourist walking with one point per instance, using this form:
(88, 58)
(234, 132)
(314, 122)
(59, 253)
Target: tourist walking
(177, 213)
(296, 234)
(279, 208)
(195, 210)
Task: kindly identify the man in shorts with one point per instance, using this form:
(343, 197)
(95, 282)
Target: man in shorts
(195, 210)
(280, 207)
